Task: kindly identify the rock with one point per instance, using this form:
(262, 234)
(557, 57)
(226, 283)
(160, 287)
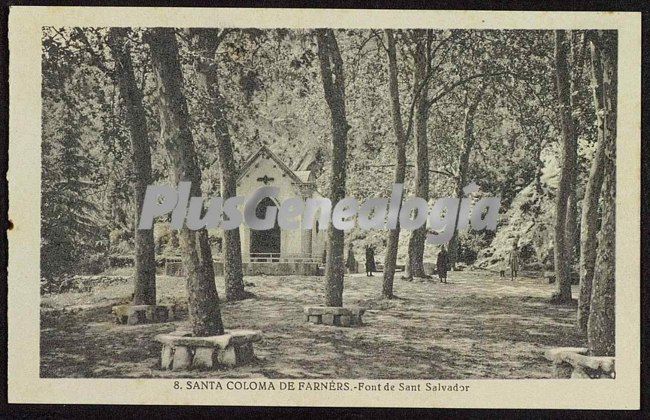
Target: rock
(334, 315)
(180, 333)
(181, 350)
(234, 337)
(221, 341)
(166, 357)
(204, 357)
(579, 373)
(141, 314)
(345, 320)
(555, 354)
(227, 356)
(244, 336)
(121, 313)
(320, 310)
(357, 312)
(161, 313)
(182, 358)
(575, 363)
(562, 370)
(607, 364)
(244, 353)
(135, 318)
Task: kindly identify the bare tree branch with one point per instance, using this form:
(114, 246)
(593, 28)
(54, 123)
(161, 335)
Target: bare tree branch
(444, 91)
(410, 165)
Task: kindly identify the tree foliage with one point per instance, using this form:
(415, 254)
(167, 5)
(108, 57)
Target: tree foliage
(272, 93)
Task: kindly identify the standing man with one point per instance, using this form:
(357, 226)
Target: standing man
(351, 262)
(513, 261)
(370, 261)
(442, 264)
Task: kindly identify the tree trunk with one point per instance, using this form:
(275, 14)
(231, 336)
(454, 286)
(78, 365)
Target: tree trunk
(539, 166)
(203, 300)
(415, 264)
(463, 168)
(601, 324)
(400, 166)
(331, 65)
(145, 258)
(571, 226)
(206, 68)
(570, 222)
(590, 216)
(568, 159)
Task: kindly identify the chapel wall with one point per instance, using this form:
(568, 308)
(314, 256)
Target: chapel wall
(291, 242)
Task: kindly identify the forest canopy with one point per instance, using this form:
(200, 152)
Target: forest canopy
(519, 122)
(491, 118)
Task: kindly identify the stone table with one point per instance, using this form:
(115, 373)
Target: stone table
(181, 350)
(334, 315)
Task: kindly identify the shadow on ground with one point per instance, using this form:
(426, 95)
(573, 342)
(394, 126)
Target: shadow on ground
(477, 326)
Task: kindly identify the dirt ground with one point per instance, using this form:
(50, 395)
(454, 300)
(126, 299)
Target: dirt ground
(476, 326)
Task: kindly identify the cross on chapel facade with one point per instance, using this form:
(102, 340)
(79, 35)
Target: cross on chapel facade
(266, 179)
(264, 167)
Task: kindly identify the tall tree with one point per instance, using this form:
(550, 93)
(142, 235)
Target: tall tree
(401, 137)
(145, 259)
(438, 63)
(590, 215)
(470, 106)
(601, 323)
(568, 163)
(206, 68)
(66, 212)
(422, 62)
(73, 232)
(571, 223)
(331, 65)
(203, 300)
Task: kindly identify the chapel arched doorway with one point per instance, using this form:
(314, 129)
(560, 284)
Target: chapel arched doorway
(265, 244)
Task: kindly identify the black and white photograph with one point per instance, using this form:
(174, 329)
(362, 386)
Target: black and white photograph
(259, 207)
(525, 116)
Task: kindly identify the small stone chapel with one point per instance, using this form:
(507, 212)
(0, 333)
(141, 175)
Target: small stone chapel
(264, 168)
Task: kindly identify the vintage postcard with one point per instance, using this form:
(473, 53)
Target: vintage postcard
(305, 207)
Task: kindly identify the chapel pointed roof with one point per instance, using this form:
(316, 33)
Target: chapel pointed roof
(265, 152)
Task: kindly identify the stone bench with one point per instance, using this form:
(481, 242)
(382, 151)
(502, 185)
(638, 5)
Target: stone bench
(142, 314)
(573, 362)
(182, 351)
(334, 315)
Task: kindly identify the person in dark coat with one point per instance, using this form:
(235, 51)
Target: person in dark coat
(351, 262)
(513, 261)
(370, 261)
(442, 264)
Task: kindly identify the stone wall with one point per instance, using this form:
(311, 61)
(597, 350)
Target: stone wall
(175, 268)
